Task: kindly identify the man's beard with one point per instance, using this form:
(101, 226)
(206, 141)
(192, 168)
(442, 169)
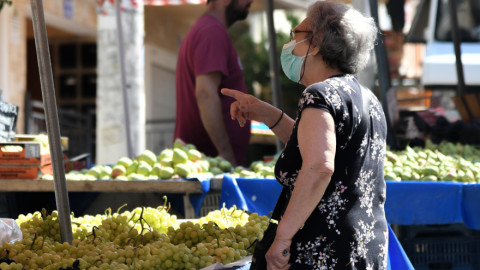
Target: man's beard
(233, 13)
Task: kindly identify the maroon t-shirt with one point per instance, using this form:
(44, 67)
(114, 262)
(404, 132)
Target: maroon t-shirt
(207, 48)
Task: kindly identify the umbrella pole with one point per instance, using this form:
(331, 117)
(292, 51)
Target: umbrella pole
(274, 66)
(53, 129)
(384, 79)
(458, 57)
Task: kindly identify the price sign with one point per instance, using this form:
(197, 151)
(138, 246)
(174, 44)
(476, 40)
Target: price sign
(8, 121)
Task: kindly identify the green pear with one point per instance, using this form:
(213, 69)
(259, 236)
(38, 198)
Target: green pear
(407, 175)
(136, 176)
(125, 162)
(178, 143)
(166, 162)
(166, 173)
(266, 171)
(182, 169)
(179, 156)
(215, 170)
(258, 166)
(429, 178)
(397, 170)
(194, 154)
(144, 168)
(156, 169)
(204, 164)
(390, 177)
(190, 146)
(225, 166)
(430, 171)
(106, 172)
(239, 169)
(133, 167)
(212, 161)
(247, 174)
(95, 171)
(122, 178)
(166, 153)
(451, 176)
(148, 156)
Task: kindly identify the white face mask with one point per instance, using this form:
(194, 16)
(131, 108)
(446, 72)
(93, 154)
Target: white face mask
(292, 64)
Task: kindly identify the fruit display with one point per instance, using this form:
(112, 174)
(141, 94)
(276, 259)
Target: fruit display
(443, 162)
(446, 161)
(180, 161)
(258, 169)
(144, 238)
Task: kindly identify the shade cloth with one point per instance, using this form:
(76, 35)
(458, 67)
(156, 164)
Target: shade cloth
(172, 2)
(408, 202)
(417, 202)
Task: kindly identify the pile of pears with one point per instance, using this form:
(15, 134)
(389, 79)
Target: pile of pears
(445, 161)
(257, 169)
(181, 161)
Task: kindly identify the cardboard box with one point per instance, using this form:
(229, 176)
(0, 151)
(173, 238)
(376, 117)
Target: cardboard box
(31, 138)
(20, 153)
(46, 163)
(19, 160)
(18, 172)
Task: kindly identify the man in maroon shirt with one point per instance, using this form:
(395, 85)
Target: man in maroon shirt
(208, 62)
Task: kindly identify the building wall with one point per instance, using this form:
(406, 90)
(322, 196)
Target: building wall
(165, 27)
(81, 12)
(76, 18)
(13, 56)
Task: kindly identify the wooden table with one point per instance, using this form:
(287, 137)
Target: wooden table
(163, 186)
(177, 186)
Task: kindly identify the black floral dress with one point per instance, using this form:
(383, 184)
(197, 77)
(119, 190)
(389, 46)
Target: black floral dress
(348, 229)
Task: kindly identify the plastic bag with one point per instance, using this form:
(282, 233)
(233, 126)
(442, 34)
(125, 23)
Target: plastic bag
(9, 231)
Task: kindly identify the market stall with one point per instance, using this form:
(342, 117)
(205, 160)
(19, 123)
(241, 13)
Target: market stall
(408, 203)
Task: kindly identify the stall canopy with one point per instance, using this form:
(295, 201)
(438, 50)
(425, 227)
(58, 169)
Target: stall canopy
(172, 2)
(280, 3)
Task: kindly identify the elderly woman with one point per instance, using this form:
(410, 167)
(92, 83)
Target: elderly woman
(332, 162)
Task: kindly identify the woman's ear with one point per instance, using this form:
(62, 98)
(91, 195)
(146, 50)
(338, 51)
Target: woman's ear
(314, 51)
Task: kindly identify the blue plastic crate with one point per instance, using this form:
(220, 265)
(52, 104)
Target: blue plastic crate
(438, 253)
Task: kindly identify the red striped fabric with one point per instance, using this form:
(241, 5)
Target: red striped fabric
(172, 2)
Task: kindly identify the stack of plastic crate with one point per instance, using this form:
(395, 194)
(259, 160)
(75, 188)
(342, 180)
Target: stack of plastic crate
(439, 247)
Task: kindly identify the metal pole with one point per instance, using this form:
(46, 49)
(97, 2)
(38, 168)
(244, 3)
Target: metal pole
(383, 74)
(456, 46)
(53, 129)
(121, 54)
(274, 66)
(458, 56)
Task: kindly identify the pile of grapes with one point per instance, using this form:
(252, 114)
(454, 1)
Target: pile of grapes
(144, 238)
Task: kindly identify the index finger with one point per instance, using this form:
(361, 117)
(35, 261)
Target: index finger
(231, 93)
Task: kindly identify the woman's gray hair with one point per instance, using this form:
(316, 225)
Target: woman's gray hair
(344, 35)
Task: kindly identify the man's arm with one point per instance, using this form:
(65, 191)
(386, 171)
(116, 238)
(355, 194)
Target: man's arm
(208, 99)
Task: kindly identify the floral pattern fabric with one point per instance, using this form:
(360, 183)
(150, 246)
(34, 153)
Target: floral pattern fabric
(348, 229)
